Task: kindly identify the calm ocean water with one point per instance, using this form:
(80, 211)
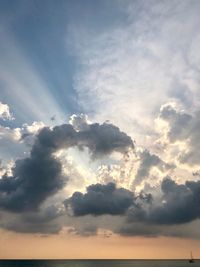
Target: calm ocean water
(98, 263)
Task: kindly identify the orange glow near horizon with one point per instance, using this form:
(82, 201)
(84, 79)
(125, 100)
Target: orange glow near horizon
(20, 246)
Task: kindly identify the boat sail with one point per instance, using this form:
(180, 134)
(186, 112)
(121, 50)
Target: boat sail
(191, 260)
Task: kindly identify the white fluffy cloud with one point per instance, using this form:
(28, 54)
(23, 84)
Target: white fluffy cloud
(181, 130)
(5, 112)
(16, 142)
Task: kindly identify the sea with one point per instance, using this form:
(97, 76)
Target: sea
(98, 263)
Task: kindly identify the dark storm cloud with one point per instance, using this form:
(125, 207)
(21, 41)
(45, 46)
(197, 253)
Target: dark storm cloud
(183, 127)
(34, 179)
(100, 139)
(39, 176)
(101, 199)
(179, 204)
(103, 139)
(144, 214)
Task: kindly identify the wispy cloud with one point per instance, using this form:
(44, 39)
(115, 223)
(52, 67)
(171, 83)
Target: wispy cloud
(128, 71)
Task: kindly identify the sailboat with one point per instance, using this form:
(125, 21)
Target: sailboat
(191, 260)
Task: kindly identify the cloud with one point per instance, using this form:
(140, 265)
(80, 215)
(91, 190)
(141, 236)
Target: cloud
(101, 199)
(33, 180)
(147, 59)
(147, 161)
(126, 71)
(11, 148)
(44, 221)
(15, 143)
(5, 112)
(79, 122)
(103, 139)
(32, 128)
(39, 176)
(183, 127)
(187, 230)
(179, 122)
(179, 203)
(172, 212)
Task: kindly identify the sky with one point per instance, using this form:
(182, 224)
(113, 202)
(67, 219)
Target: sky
(99, 128)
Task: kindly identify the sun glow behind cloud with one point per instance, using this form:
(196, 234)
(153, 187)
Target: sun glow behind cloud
(135, 67)
(129, 168)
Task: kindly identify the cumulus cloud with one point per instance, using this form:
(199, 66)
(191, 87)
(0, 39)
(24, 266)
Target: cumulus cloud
(32, 128)
(154, 53)
(6, 168)
(79, 122)
(178, 204)
(143, 213)
(101, 199)
(39, 176)
(11, 148)
(147, 161)
(16, 142)
(9, 133)
(35, 179)
(183, 127)
(5, 112)
(103, 139)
